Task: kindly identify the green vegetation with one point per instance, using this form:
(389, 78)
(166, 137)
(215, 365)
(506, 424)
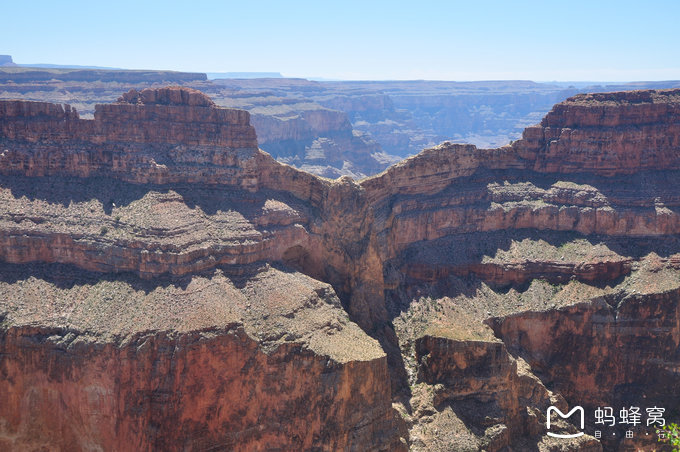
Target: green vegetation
(672, 436)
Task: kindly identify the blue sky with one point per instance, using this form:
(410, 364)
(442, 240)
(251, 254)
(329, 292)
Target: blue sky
(438, 40)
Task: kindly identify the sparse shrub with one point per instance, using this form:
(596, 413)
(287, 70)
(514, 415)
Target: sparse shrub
(103, 230)
(672, 432)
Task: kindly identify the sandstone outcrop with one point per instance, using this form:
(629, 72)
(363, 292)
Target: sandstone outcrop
(149, 116)
(162, 242)
(519, 230)
(211, 362)
(211, 348)
(484, 386)
(6, 60)
(617, 347)
(607, 133)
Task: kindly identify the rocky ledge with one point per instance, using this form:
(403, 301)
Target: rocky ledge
(149, 296)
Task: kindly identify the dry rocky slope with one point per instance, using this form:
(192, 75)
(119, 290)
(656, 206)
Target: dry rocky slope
(165, 284)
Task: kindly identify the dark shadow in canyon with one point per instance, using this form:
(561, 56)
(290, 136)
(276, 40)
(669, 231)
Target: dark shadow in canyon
(211, 199)
(67, 276)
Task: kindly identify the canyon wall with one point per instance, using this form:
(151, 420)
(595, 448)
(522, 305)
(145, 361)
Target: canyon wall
(442, 304)
(141, 113)
(297, 128)
(563, 245)
(607, 133)
(160, 322)
(185, 365)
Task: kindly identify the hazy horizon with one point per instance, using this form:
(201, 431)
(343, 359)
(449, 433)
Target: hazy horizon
(579, 41)
(211, 76)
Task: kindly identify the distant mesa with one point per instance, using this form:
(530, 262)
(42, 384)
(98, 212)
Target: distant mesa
(6, 60)
(30, 74)
(218, 75)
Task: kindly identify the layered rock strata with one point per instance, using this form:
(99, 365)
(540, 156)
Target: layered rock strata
(571, 258)
(138, 306)
(475, 269)
(211, 361)
(303, 132)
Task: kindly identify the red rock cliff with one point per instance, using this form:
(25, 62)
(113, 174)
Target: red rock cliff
(229, 361)
(552, 238)
(151, 116)
(607, 133)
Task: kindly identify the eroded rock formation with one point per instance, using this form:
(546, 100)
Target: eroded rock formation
(165, 186)
(163, 273)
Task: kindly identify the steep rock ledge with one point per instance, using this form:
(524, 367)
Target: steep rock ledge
(619, 348)
(206, 362)
(167, 186)
(607, 133)
(488, 390)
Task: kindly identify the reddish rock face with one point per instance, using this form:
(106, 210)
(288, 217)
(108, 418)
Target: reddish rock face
(608, 133)
(172, 95)
(158, 116)
(546, 237)
(201, 390)
(478, 372)
(197, 364)
(598, 346)
(217, 297)
(242, 360)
